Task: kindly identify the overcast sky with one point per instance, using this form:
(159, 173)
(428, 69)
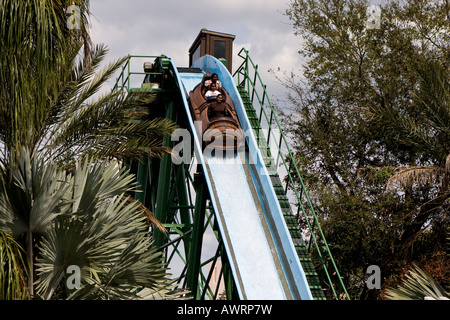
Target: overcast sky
(154, 27)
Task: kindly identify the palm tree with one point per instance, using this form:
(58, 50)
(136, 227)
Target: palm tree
(427, 127)
(111, 126)
(418, 285)
(82, 219)
(46, 90)
(12, 279)
(58, 176)
(424, 129)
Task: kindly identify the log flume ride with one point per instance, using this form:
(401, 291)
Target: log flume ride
(219, 129)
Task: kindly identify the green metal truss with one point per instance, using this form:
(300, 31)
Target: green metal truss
(177, 193)
(178, 196)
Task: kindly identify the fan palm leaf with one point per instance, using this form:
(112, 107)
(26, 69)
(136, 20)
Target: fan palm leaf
(106, 237)
(31, 196)
(85, 219)
(418, 285)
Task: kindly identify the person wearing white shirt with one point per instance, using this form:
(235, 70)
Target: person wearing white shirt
(212, 92)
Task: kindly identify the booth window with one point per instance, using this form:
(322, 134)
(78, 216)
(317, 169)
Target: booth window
(219, 48)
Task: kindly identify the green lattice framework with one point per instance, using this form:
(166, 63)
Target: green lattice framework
(179, 198)
(177, 193)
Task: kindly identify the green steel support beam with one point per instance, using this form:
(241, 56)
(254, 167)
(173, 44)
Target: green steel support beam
(183, 204)
(142, 178)
(166, 189)
(206, 288)
(162, 196)
(230, 287)
(197, 235)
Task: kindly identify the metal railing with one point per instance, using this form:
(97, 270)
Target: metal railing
(249, 79)
(124, 80)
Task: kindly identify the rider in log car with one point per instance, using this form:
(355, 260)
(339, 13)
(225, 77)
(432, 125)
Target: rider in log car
(212, 93)
(214, 78)
(218, 108)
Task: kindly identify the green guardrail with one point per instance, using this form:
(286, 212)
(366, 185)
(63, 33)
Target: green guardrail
(248, 78)
(124, 80)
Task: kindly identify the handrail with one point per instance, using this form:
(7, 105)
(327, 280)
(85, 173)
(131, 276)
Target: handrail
(123, 81)
(263, 100)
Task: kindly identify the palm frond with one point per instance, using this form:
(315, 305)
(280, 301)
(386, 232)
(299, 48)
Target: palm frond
(138, 273)
(106, 235)
(423, 124)
(111, 126)
(60, 8)
(12, 279)
(111, 133)
(112, 248)
(420, 175)
(134, 140)
(94, 183)
(433, 98)
(418, 285)
(31, 196)
(150, 216)
(168, 292)
(90, 81)
(29, 36)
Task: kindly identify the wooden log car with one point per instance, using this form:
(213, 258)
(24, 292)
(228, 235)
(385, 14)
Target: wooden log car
(220, 132)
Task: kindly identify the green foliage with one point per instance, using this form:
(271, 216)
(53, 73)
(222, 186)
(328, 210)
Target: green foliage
(106, 236)
(28, 36)
(61, 186)
(382, 175)
(47, 94)
(418, 286)
(83, 219)
(370, 119)
(31, 196)
(12, 279)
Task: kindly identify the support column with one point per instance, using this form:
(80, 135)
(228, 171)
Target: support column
(184, 204)
(197, 235)
(142, 179)
(162, 197)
